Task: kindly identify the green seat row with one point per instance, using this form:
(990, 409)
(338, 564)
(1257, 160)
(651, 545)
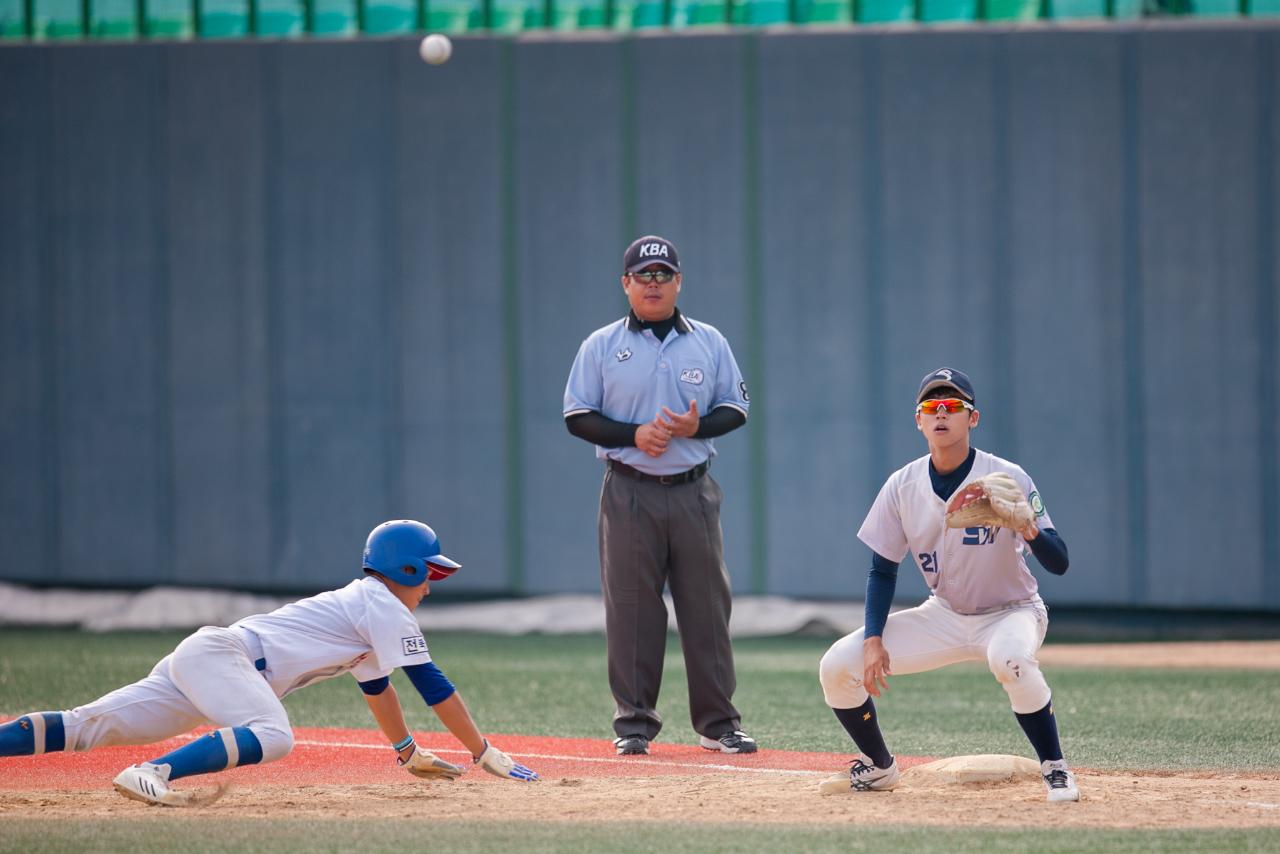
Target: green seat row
(180, 19)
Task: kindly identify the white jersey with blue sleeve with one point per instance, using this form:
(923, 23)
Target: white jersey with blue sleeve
(623, 372)
(361, 628)
(973, 570)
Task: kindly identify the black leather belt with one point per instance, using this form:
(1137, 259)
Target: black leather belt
(668, 479)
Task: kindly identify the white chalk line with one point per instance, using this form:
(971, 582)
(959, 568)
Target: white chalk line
(632, 760)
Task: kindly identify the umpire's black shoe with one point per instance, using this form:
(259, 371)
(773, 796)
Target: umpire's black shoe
(631, 745)
(735, 741)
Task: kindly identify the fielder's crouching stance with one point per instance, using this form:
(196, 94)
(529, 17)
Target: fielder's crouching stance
(984, 603)
(233, 678)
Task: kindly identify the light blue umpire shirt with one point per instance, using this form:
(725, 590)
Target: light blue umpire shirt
(625, 373)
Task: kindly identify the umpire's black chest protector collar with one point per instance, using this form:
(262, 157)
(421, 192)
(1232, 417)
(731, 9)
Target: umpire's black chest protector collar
(682, 324)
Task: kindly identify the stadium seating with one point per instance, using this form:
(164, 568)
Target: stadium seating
(391, 16)
(212, 19)
(941, 11)
(513, 16)
(698, 13)
(112, 19)
(223, 19)
(1011, 10)
(884, 11)
(168, 19)
(1210, 8)
(454, 16)
(759, 13)
(334, 18)
(13, 19)
(279, 18)
(579, 15)
(639, 14)
(823, 11)
(57, 19)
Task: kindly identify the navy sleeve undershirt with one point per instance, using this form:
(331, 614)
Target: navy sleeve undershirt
(719, 421)
(1050, 550)
(607, 433)
(881, 583)
(599, 430)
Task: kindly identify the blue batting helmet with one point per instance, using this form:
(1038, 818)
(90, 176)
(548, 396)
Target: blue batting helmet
(408, 553)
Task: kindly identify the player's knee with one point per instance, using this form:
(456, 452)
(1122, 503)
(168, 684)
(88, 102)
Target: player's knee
(840, 672)
(1011, 668)
(277, 742)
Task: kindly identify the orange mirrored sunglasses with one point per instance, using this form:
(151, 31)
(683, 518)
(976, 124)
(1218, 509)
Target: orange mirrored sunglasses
(946, 404)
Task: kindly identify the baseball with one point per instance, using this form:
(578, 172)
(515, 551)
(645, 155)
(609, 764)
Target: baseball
(435, 49)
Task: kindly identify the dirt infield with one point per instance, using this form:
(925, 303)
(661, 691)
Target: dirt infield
(1242, 655)
(348, 775)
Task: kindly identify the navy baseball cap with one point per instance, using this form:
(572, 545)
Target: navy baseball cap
(650, 249)
(946, 378)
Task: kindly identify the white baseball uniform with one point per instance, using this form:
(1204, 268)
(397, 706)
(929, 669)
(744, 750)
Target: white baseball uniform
(983, 604)
(235, 676)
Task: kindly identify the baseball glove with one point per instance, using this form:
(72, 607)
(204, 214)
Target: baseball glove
(425, 764)
(993, 501)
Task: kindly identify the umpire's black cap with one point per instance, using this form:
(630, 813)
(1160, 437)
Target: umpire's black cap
(948, 378)
(650, 249)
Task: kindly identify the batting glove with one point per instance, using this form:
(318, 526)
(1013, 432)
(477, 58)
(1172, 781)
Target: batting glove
(425, 764)
(500, 764)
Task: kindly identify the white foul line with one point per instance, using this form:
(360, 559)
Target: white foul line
(634, 760)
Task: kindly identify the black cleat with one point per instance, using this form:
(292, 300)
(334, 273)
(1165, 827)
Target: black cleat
(632, 745)
(734, 741)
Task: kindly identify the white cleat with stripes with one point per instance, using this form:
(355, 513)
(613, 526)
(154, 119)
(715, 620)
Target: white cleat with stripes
(150, 784)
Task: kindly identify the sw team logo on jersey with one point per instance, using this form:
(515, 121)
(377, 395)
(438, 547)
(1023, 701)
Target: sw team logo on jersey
(693, 376)
(414, 646)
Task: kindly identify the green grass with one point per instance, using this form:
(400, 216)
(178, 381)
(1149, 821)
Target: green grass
(1110, 718)
(195, 836)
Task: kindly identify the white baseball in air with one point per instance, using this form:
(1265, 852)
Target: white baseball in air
(435, 49)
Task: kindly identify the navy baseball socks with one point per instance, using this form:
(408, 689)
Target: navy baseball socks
(33, 734)
(864, 728)
(219, 750)
(1042, 731)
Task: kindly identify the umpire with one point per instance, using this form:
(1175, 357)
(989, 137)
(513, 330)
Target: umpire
(637, 391)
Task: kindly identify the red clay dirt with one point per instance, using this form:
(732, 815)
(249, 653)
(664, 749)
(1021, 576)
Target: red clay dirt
(349, 775)
(355, 757)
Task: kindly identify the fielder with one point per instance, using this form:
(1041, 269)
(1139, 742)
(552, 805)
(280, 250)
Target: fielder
(234, 678)
(968, 518)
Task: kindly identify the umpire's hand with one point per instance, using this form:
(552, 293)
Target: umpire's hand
(652, 438)
(681, 423)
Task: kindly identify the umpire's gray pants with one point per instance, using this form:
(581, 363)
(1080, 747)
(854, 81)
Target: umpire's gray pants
(650, 535)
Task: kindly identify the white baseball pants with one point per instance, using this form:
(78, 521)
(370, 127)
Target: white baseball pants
(209, 678)
(932, 635)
